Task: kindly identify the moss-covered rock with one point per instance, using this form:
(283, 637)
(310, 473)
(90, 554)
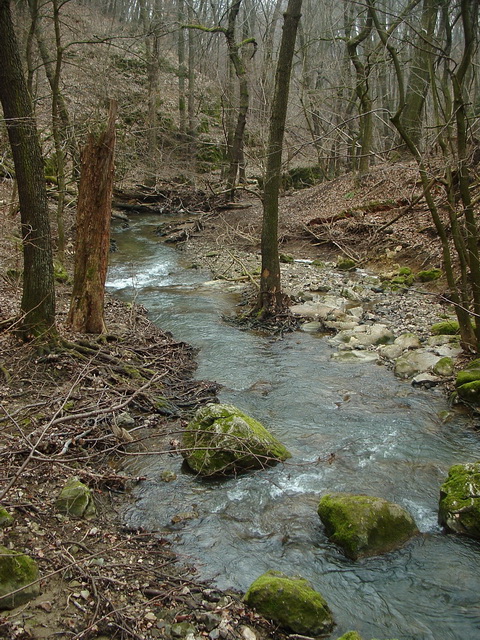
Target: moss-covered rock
(346, 264)
(445, 328)
(222, 439)
(291, 602)
(350, 635)
(444, 367)
(429, 275)
(76, 499)
(459, 507)
(468, 382)
(17, 571)
(6, 520)
(467, 375)
(364, 525)
(470, 392)
(286, 259)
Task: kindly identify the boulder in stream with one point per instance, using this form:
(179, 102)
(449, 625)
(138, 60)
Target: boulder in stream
(468, 382)
(364, 525)
(290, 602)
(459, 508)
(221, 439)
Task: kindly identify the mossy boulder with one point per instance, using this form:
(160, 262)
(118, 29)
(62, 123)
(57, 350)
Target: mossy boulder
(350, 635)
(470, 392)
(6, 520)
(459, 507)
(364, 525)
(346, 264)
(76, 499)
(444, 367)
(428, 275)
(221, 439)
(291, 602)
(17, 571)
(468, 382)
(445, 328)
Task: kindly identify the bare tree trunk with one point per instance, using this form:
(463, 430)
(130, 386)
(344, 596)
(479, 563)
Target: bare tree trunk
(271, 300)
(38, 300)
(182, 71)
(419, 79)
(192, 127)
(362, 89)
(93, 230)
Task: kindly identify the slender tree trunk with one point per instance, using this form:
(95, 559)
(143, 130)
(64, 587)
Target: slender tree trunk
(182, 70)
(192, 127)
(94, 210)
(271, 300)
(419, 79)
(38, 300)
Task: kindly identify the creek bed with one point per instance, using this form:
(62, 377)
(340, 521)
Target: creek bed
(349, 427)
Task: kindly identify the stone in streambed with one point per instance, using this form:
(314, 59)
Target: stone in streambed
(365, 525)
(290, 602)
(459, 507)
(221, 439)
(413, 362)
(364, 335)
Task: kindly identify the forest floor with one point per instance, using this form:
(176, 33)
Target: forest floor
(86, 409)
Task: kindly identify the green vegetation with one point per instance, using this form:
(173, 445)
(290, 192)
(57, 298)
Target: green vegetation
(364, 525)
(291, 602)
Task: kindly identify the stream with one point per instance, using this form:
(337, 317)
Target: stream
(386, 439)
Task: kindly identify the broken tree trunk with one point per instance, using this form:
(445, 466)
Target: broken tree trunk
(93, 230)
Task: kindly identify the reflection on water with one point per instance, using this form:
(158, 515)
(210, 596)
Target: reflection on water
(350, 428)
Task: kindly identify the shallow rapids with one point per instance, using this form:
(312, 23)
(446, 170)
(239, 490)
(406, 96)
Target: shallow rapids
(349, 427)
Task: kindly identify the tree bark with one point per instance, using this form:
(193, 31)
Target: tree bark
(93, 230)
(271, 300)
(38, 299)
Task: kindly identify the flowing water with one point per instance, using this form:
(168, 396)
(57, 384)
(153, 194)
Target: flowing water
(349, 427)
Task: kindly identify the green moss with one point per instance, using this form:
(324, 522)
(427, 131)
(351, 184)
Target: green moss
(223, 439)
(444, 367)
(351, 635)
(60, 273)
(17, 570)
(470, 391)
(6, 520)
(402, 281)
(364, 525)
(447, 328)
(291, 602)
(346, 264)
(318, 263)
(466, 376)
(76, 499)
(404, 271)
(459, 506)
(429, 275)
(302, 177)
(474, 364)
(286, 259)
(210, 154)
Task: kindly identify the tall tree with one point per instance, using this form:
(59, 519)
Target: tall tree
(271, 299)
(38, 299)
(419, 77)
